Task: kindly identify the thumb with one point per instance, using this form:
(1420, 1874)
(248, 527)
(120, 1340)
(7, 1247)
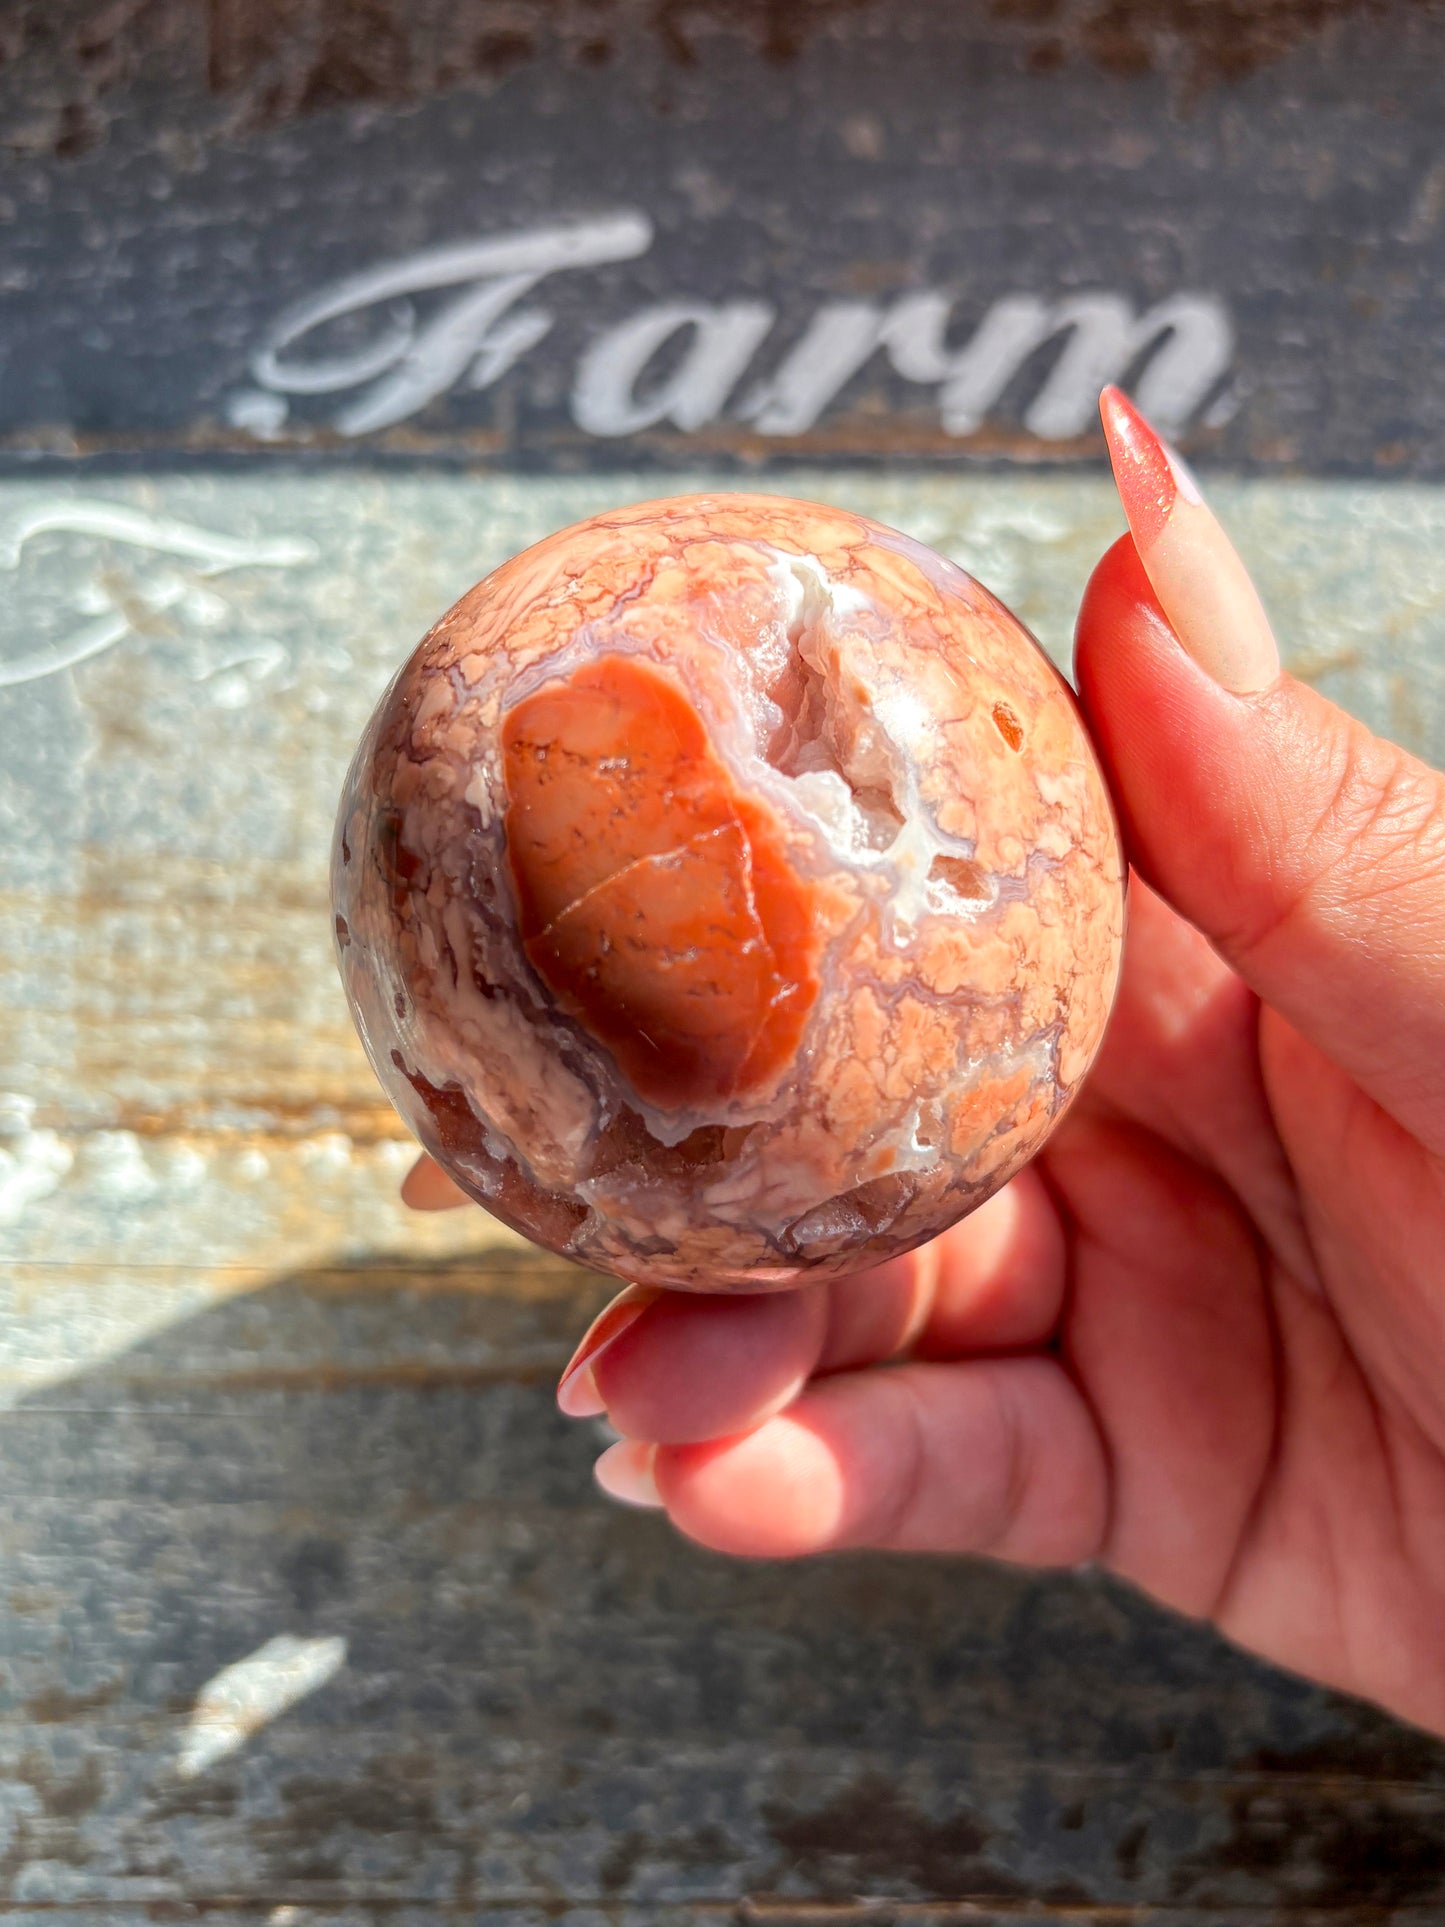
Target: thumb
(1309, 851)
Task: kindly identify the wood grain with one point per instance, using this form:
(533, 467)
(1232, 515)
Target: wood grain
(180, 176)
(247, 1399)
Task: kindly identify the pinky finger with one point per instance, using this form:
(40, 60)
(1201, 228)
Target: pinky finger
(995, 1456)
(426, 1187)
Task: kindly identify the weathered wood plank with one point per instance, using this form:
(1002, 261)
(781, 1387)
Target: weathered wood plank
(187, 1085)
(488, 1312)
(250, 1400)
(171, 799)
(542, 1702)
(179, 178)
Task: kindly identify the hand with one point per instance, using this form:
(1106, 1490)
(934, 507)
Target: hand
(1201, 1340)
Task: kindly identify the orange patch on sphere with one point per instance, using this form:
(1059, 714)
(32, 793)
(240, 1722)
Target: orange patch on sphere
(656, 902)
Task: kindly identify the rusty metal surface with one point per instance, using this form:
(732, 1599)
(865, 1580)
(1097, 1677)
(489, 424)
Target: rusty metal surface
(308, 1614)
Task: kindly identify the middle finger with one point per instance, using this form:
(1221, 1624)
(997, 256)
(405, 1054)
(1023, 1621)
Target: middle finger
(685, 1368)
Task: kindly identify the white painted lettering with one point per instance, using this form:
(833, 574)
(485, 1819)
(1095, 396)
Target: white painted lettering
(605, 399)
(638, 373)
(842, 337)
(410, 364)
(1099, 335)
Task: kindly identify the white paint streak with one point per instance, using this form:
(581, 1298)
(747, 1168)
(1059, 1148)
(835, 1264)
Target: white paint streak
(244, 1698)
(211, 552)
(114, 522)
(117, 1170)
(32, 1163)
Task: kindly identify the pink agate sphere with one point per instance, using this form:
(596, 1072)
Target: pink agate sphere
(727, 893)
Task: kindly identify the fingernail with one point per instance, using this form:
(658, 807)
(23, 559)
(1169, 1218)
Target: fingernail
(625, 1473)
(1202, 585)
(426, 1187)
(577, 1394)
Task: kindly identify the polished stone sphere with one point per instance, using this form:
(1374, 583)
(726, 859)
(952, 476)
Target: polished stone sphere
(727, 893)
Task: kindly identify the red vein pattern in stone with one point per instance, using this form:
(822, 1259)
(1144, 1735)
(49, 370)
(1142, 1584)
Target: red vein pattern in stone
(727, 893)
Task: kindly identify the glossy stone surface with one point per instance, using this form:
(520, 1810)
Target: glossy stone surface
(727, 893)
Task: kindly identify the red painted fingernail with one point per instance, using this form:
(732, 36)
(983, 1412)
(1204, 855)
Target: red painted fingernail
(577, 1394)
(1149, 475)
(1203, 587)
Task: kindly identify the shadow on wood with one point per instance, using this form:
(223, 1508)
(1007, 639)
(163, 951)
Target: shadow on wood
(310, 1602)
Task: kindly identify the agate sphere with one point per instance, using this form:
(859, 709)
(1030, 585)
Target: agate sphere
(727, 893)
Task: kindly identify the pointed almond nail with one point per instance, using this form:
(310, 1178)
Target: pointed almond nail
(1150, 477)
(1202, 586)
(577, 1394)
(625, 1473)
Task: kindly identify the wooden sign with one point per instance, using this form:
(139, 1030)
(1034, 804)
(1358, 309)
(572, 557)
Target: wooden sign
(597, 234)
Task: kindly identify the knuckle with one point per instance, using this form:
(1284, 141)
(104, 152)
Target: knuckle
(1375, 839)
(1384, 806)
